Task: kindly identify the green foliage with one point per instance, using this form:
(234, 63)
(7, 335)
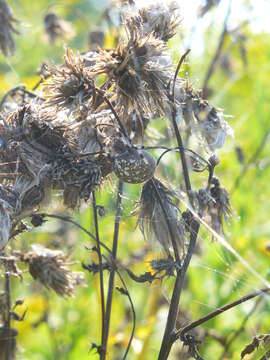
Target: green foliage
(65, 328)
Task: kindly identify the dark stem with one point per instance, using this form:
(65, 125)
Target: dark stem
(180, 333)
(125, 291)
(101, 281)
(133, 315)
(178, 286)
(122, 128)
(68, 219)
(234, 335)
(114, 255)
(178, 135)
(7, 324)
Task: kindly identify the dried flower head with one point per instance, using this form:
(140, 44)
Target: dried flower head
(152, 220)
(139, 72)
(69, 84)
(5, 223)
(96, 39)
(218, 207)
(51, 268)
(56, 27)
(160, 19)
(204, 120)
(7, 21)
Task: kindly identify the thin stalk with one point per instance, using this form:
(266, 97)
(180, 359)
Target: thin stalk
(178, 286)
(180, 277)
(234, 335)
(180, 333)
(114, 255)
(7, 324)
(101, 281)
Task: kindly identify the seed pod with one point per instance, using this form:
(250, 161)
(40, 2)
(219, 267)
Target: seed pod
(134, 166)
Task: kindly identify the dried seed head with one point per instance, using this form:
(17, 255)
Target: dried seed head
(139, 68)
(159, 19)
(134, 166)
(7, 20)
(96, 39)
(205, 120)
(69, 84)
(51, 268)
(5, 223)
(152, 220)
(218, 207)
(56, 27)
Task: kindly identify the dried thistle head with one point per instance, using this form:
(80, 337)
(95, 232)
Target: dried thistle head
(51, 269)
(69, 85)
(7, 28)
(138, 71)
(96, 39)
(56, 27)
(204, 120)
(152, 220)
(5, 223)
(218, 207)
(159, 19)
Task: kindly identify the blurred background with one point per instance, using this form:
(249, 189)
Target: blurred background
(230, 61)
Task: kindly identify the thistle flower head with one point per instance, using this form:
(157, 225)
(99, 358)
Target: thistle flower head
(7, 28)
(51, 269)
(219, 208)
(5, 222)
(159, 19)
(69, 84)
(152, 220)
(56, 27)
(139, 72)
(205, 120)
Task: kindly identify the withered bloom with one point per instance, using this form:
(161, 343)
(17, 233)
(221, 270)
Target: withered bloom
(68, 84)
(138, 71)
(151, 218)
(159, 19)
(56, 27)
(51, 269)
(96, 39)
(204, 120)
(7, 21)
(218, 208)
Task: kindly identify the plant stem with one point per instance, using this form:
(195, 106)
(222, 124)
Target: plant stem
(7, 324)
(218, 311)
(101, 281)
(178, 286)
(181, 272)
(114, 255)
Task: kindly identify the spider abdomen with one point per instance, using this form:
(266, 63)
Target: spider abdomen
(134, 166)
